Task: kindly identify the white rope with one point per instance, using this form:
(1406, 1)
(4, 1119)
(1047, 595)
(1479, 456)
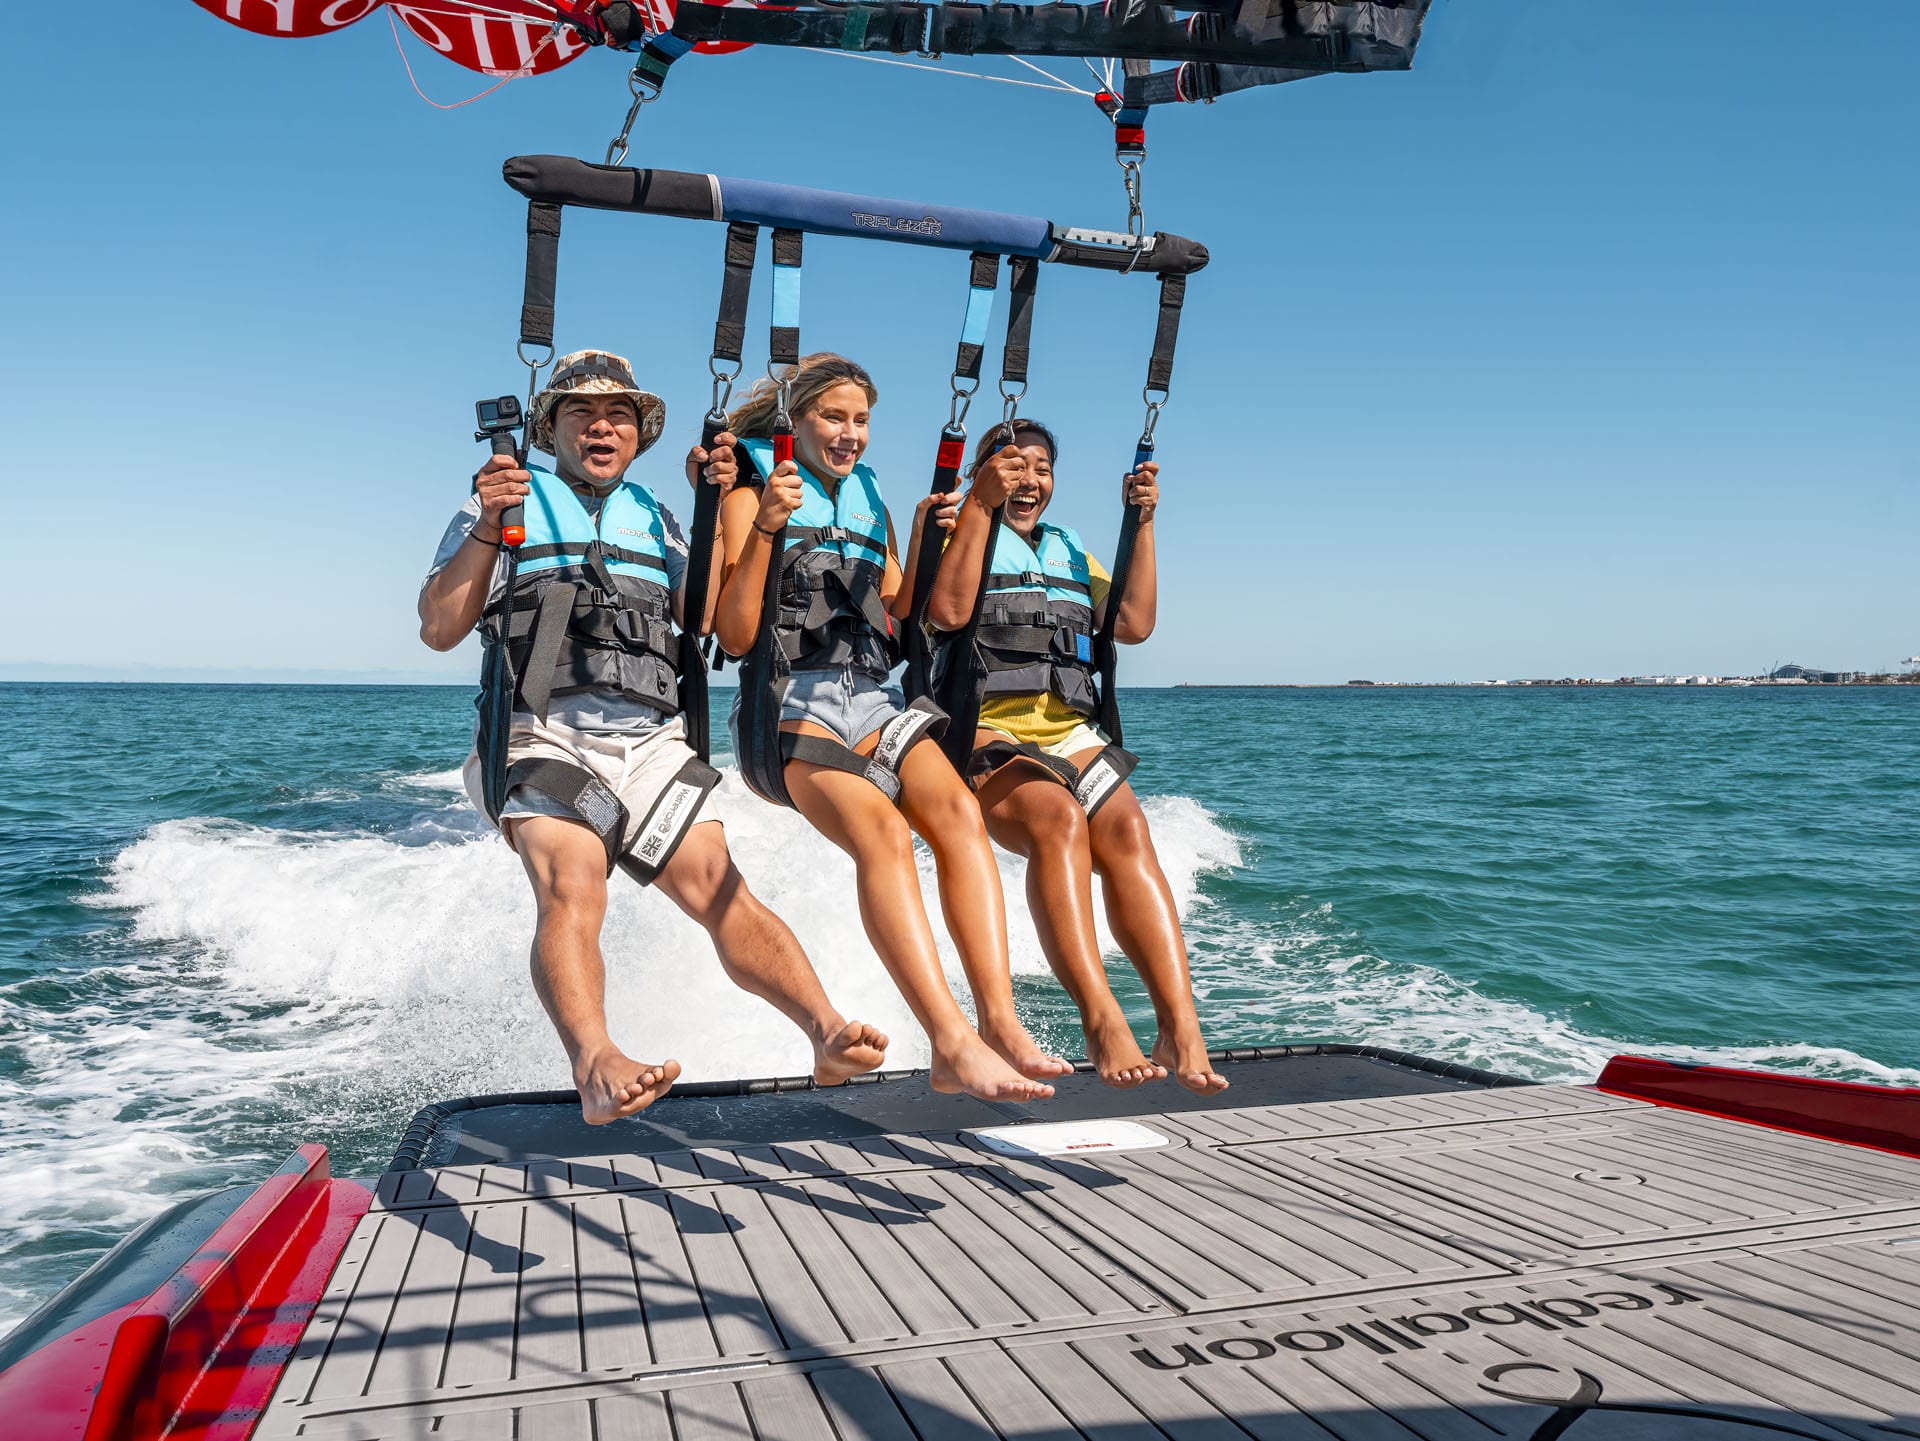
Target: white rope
(466, 10)
(943, 70)
(1049, 74)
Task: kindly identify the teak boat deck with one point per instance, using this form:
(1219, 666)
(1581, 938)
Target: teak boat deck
(1444, 1259)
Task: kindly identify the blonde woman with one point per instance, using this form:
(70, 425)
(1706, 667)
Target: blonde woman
(840, 594)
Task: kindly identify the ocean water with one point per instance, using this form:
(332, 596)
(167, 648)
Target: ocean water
(237, 918)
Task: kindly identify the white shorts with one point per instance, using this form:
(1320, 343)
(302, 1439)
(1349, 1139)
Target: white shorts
(1083, 737)
(638, 768)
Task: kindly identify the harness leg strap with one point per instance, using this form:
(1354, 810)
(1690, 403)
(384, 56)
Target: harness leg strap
(581, 792)
(1104, 775)
(667, 824)
(921, 720)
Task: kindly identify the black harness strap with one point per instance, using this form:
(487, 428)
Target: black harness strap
(1092, 787)
(543, 267)
(1173, 294)
(669, 821)
(921, 720)
(581, 792)
(729, 338)
(983, 279)
(548, 631)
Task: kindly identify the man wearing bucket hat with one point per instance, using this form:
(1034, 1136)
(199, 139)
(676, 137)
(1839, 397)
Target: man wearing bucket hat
(594, 770)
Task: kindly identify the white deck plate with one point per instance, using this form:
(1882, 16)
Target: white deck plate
(1453, 1267)
(1070, 1138)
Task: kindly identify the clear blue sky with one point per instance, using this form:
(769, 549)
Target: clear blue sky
(1587, 347)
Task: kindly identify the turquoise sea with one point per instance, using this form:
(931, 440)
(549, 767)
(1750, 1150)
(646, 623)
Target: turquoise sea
(236, 918)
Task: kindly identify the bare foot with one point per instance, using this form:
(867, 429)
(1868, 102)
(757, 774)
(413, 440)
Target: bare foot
(1187, 1059)
(970, 1065)
(1117, 1056)
(1023, 1053)
(851, 1050)
(612, 1085)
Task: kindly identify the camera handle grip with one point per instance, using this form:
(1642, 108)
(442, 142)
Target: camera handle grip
(513, 520)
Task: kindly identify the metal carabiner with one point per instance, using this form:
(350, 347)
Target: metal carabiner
(645, 89)
(962, 403)
(1154, 407)
(722, 384)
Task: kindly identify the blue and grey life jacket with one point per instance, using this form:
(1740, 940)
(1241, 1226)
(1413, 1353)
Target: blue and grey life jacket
(1035, 631)
(591, 606)
(831, 613)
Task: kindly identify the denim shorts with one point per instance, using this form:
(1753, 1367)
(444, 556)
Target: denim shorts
(844, 700)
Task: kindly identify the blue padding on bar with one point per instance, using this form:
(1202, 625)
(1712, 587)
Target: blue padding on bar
(786, 296)
(973, 330)
(670, 44)
(866, 217)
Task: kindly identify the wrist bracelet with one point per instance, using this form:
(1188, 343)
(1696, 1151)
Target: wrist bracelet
(769, 534)
(496, 542)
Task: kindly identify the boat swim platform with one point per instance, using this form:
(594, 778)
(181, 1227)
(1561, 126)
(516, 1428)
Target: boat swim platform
(1443, 1257)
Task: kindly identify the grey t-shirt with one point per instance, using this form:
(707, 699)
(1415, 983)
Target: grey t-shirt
(604, 712)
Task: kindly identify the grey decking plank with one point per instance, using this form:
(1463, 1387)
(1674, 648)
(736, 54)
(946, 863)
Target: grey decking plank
(1088, 1292)
(784, 1408)
(862, 1215)
(1742, 1180)
(933, 1401)
(1449, 1181)
(670, 1301)
(1019, 1288)
(501, 1183)
(613, 1328)
(415, 1346)
(1667, 1181)
(786, 1288)
(556, 1421)
(549, 1342)
(1769, 1281)
(963, 1287)
(1528, 1179)
(734, 1306)
(710, 1412)
(838, 1275)
(636, 1416)
(1256, 1409)
(1176, 1267)
(296, 1382)
(860, 1406)
(363, 1324)
(634, 1172)
(480, 1345)
(1099, 1410)
(1323, 1255)
(1013, 1404)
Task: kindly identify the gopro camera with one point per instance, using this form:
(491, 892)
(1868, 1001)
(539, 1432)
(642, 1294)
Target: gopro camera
(497, 416)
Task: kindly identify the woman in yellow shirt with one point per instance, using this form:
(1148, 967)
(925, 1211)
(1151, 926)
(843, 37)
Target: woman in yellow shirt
(1051, 784)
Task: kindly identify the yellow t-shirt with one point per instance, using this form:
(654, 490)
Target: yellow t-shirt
(1043, 719)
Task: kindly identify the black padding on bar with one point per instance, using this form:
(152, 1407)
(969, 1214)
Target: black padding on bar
(543, 268)
(985, 273)
(736, 286)
(1173, 294)
(786, 247)
(563, 180)
(1156, 32)
(783, 345)
(1171, 255)
(1013, 360)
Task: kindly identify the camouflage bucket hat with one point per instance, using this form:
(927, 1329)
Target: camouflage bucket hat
(594, 372)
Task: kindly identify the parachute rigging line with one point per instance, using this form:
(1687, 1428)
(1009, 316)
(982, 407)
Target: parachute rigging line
(1040, 70)
(523, 71)
(1058, 88)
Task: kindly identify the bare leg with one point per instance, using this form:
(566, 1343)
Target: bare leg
(1145, 922)
(1036, 817)
(761, 955)
(567, 865)
(938, 805)
(848, 811)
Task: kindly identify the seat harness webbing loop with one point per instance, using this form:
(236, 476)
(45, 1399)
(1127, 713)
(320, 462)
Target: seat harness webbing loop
(1173, 294)
(982, 281)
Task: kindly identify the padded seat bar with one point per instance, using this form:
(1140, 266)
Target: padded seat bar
(563, 180)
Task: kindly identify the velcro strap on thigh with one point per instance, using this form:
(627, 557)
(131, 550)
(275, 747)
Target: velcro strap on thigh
(1104, 775)
(994, 754)
(668, 822)
(581, 792)
(919, 721)
(820, 751)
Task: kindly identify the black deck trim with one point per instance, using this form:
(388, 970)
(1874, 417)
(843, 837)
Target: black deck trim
(426, 1122)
